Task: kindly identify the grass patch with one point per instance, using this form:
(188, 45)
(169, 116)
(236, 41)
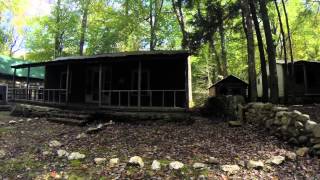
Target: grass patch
(4, 130)
(76, 163)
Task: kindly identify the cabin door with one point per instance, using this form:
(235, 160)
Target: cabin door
(92, 84)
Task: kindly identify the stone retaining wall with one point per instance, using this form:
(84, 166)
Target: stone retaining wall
(292, 126)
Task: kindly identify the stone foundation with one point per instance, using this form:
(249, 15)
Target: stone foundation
(292, 126)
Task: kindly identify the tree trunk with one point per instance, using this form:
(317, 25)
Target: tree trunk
(85, 9)
(286, 72)
(292, 84)
(248, 28)
(274, 91)
(264, 75)
(58, 33)
(223, 50)
(177, 8)
(214, 53)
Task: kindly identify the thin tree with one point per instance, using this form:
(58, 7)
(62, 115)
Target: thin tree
(290, 48)
(155, 8)
(274, 91)
(84, 4)
(285, 88)
(248, 29)
(264, 75)
(177, 8)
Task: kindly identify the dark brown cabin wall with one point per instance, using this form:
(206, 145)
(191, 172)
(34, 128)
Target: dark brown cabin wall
(77, 87)
(53, 74)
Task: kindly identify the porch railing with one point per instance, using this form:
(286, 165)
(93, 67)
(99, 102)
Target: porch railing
(148, 98)
(56, 96)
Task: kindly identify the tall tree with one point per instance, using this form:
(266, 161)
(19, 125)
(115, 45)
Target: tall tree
(84, 5)
(155, 8)
(274, 91)
(263, 67)
(58, 31)
(177, 8)
(248, 28)
(290, 48)
(286, 72)
(220, 15)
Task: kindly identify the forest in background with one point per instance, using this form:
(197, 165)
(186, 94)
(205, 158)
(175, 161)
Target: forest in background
(222, 35)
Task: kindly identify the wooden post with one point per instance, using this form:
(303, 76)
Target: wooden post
(305, 79)
(139, 85)
(100, 84)
(186, 75)
(14, 84)
(67, 84)
(28, 82)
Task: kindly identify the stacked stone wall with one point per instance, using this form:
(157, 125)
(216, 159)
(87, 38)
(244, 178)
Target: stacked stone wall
(293, 126)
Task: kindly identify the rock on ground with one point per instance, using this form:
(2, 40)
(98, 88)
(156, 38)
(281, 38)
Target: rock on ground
(136, 160)
(199, 165)
(82, 135)
(231, 169)
(12, 122)
(62, 153)
(99, 161)
(114, 161)
(55, 143)
(76, 155)
(302, 151)
(2, 153)
(176, 165)
(155, 165)
(235, 123)
(276, 160)
(255, 164)
(213, 160)
(291, 156)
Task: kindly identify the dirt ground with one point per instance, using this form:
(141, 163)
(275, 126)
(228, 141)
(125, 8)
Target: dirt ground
(24, 144)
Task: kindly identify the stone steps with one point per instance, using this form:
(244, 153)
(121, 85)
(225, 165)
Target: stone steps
(68, 121)
(5, 107)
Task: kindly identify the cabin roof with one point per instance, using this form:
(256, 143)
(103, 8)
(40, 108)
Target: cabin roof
(109, 56)
(297, 61)
(228, 78)
(7, 62)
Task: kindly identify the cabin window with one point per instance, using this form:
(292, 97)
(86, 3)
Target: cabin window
(145, 80)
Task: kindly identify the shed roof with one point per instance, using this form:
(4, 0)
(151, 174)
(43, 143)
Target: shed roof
(6, 63)
(228, 78)
(109, 56)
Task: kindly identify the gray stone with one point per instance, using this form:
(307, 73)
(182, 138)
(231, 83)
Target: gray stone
(303, 118)
(76, 155)
(21, 120)
(82, 135)
(62, 153)
(213, 160)
(315, 140)
(45, 153)
(316, 131)
(12, 122)
(302, 151)
(231, 169)
(303, 139)
(279, 108)
(55, 143)
(99, 161)
(155, 165)
(2, 123)
(316, 147)
(199, 165)
(276, 160)
(291, 156)
(293, 141)
(309, 125)
(176, 165)
(114, 161)
(235, 123)
(136, 160)
(255, 164)
(2, 153)
(298, 124)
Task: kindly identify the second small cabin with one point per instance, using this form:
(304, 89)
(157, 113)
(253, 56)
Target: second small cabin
(231, 85)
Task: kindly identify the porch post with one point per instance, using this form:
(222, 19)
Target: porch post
(139, 85)
(14, 84)
(186, 75)
(100, 84)
(28, 82)
(67, 84)
(305, 79)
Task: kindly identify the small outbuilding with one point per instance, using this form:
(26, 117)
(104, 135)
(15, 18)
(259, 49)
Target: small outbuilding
(231, 85)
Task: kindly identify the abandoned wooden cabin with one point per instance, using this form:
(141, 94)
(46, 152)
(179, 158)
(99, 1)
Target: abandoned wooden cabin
(305, 84)
(21, 78)
(158, 80)
(230, 85)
